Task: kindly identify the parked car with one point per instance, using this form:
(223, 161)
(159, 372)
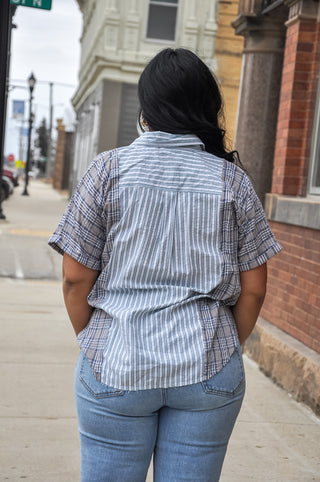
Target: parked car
(12, 175)
(6, 187)
(9, 181)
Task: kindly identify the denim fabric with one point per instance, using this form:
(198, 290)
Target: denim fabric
(186, 429)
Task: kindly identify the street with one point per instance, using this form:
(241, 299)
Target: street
(275, 438)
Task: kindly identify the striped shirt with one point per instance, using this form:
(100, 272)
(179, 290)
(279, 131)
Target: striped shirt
(169, 226)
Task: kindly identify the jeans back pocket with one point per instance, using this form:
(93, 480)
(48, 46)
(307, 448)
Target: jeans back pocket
(96, 388)
(229, 379)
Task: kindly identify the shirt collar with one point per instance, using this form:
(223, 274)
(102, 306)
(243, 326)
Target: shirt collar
(165, 139)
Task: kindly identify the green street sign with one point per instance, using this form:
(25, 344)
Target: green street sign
(45, 4)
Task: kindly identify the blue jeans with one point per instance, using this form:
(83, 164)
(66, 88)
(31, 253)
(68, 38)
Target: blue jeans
(186, 429)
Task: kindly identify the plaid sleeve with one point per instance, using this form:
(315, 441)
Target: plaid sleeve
(256, 242)
(81, 232)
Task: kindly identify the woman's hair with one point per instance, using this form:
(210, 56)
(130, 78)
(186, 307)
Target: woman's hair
(179, 94)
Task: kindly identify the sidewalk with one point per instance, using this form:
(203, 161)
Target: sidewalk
(24, 250)
(275, 438)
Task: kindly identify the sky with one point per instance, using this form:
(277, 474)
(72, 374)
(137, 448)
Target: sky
(47, 43)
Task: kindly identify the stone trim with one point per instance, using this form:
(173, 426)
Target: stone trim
(264, 40)
(304, 212)
(301, 10)
(262, 33)
(289, 363)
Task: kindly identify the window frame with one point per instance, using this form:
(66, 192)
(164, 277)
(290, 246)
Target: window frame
(314, 165)
(163, 4)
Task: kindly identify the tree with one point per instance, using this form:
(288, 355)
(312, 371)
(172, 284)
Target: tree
(42, 140)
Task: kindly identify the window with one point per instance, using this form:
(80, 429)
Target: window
(162, 19)
(314, 171)
(128, 114)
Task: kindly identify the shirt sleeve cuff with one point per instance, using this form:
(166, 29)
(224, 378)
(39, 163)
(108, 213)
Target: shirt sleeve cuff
(62, 245)
(261, 259)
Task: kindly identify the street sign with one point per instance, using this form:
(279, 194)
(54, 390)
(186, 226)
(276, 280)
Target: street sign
(45, 4)
(24, 131)
(18, 109)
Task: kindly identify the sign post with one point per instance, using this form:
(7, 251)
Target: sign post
(44, 4)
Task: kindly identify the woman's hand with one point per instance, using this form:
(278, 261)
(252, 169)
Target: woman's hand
(249, 304)
(78, 281)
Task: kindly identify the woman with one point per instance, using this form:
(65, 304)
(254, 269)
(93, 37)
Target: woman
(164, 246)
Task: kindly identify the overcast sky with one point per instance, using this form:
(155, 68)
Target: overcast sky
(45, 42)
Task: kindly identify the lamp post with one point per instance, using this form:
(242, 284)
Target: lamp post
(32, 83)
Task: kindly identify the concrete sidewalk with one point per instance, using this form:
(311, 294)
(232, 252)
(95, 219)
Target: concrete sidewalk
(24, 250)
(275, 438)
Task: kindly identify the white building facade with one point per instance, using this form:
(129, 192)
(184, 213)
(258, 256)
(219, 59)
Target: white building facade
(119, 37)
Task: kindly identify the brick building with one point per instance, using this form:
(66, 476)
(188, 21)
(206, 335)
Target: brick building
(279, 141)
(63, 157)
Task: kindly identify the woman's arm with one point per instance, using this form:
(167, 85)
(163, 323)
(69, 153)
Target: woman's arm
(249, 304)
(78, 281)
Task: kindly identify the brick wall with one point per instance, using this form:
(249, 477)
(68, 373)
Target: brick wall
(64, 152)
(68, 155)
(296, 108)
(293, 296)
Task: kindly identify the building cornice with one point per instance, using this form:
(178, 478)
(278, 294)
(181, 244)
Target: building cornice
(300, 9)
(262, 26)
(255, 14)
(100, 69)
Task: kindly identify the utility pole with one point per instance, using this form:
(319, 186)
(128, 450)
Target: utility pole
(49, 153)
(7, 12)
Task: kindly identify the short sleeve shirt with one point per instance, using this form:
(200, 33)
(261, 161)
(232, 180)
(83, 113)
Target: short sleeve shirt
(169, 227)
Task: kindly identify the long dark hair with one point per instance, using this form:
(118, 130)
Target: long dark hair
(179, 94)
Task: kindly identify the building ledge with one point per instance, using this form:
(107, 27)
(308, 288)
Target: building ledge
(299, 211)
(289, 363)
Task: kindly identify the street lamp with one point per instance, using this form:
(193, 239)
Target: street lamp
(31, 83)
